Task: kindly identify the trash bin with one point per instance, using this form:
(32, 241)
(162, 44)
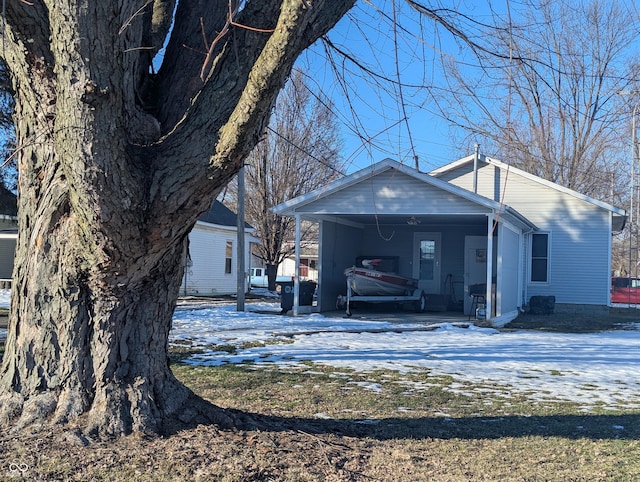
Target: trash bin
(307, 289)
(286, 295)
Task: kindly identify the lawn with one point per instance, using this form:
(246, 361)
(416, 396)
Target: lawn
(318, 423)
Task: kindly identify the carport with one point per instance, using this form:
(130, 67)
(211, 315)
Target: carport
(446, 237)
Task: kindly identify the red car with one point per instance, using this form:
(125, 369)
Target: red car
(625, 290)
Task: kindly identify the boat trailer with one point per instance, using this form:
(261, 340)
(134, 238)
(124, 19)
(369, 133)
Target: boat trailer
(416, 296)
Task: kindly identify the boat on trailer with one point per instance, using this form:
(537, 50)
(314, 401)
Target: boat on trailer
(368, 284)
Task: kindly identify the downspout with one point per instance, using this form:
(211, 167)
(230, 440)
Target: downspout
(186, 271)
(525, 269)
(476, 158)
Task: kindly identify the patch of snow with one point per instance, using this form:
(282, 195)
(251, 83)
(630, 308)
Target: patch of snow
(265, 293)
(371, 386)
(5, 298)
(589, 369)
(368, 422)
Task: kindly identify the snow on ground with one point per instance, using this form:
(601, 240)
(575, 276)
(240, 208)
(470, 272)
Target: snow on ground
(5, 302)
(588, 369)
(5, 298)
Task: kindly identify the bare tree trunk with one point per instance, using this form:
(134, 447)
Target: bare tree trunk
(88, 344)
(272, 273)
(94, 291)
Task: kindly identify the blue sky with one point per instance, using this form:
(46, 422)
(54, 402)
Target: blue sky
(375, 111)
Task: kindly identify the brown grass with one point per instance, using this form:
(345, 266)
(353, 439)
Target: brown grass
(616, 319)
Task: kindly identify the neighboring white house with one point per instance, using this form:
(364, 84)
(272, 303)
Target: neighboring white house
(516, 236)
(8, 235)
(308, 263)
(211, 264)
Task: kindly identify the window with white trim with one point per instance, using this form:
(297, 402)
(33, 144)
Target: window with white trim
(228, 257)
(540, 257)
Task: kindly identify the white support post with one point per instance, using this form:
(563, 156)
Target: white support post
(488, 297)
(296, 279)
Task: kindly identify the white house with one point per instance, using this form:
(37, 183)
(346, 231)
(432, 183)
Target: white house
(8, 235)
(308, 263)
(476, 223)
(211, 264)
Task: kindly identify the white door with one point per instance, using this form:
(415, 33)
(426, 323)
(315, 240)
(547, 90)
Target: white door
(426, 261)
(475, 265)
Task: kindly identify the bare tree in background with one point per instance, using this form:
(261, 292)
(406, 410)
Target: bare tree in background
(546, 98)
(300, 152)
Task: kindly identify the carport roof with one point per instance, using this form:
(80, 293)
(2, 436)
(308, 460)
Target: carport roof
(295, 206)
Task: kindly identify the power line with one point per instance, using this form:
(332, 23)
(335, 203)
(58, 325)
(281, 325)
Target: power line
(306, 152)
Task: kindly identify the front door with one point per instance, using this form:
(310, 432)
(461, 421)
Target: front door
(426, 261)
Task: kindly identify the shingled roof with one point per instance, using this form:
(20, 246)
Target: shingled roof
(221, 215)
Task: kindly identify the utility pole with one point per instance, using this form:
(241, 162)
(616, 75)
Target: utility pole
(241, 270)
(634, 156)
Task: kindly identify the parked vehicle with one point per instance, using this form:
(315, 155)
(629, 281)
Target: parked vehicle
(259, 278)
(625, 290)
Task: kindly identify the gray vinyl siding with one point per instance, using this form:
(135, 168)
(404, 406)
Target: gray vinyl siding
(579, 233)
(392, 241)
(340, 247)
(453, 258)
(399, 242)
(392, 192)
(8, 224)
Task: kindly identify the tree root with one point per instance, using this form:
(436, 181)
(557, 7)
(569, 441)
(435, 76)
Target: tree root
(119, 411)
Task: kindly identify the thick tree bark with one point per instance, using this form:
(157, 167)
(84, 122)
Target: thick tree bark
(109, 188)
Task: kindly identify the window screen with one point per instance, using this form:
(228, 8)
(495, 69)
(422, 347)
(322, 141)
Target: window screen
(539, 257)
(228, 257)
